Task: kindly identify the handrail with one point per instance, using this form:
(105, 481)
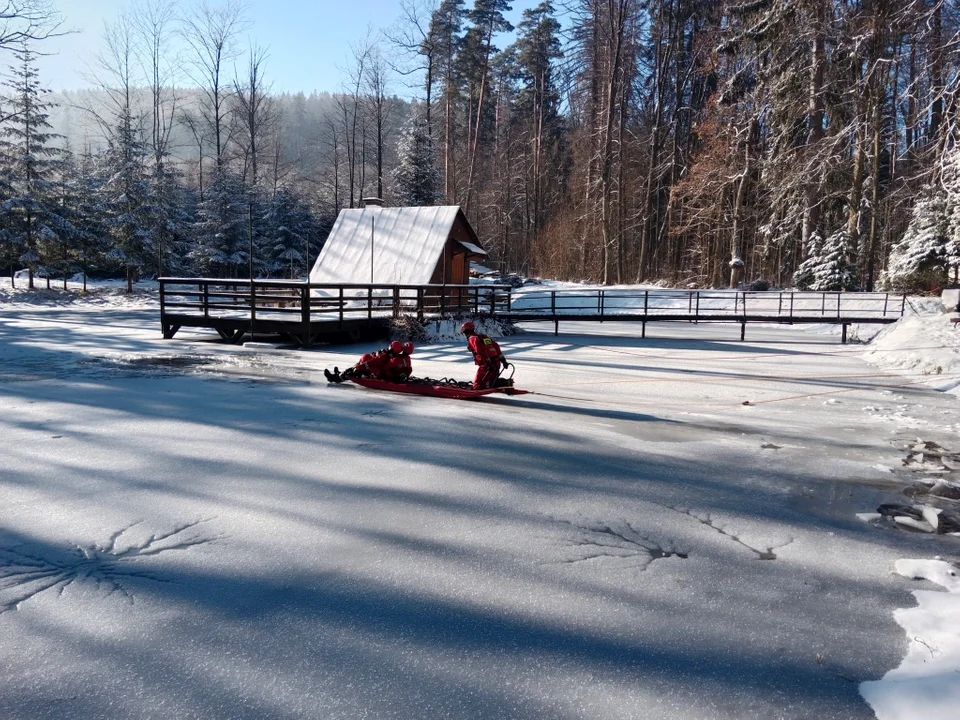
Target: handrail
(218, 298)
(218, 294)
(228, 304)
(607, 303)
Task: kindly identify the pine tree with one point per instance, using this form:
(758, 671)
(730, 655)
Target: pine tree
(537, 114)
(928, 253)
(126, 196)
(951, 183)
(69, 226)
(221, 241)
(444, 38)
(30, 217)
(416, 179)
(828, 267)
(168, 215)
(474, 64)
(86, 213)
(289, 231)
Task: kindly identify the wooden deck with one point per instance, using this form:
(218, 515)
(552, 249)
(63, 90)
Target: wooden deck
(307, 313)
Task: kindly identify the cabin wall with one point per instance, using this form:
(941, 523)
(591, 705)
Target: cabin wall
(453, 258)
(453, 253)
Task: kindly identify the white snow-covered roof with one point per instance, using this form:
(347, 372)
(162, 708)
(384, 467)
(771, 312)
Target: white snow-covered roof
(475, 249)
(407, 244)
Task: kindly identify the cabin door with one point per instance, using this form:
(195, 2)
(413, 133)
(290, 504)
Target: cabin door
(457, 271)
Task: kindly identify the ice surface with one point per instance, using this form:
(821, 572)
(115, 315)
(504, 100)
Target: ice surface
(193, 529)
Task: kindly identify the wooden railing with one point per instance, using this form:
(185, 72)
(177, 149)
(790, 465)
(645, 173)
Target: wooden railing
(234, 307)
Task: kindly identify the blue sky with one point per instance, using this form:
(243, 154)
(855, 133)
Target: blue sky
(307, 40)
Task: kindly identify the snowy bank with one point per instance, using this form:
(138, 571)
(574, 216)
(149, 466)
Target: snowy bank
(927, 683)
(923, 342)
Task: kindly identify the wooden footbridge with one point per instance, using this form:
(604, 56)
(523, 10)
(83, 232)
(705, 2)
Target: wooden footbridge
(308, 313)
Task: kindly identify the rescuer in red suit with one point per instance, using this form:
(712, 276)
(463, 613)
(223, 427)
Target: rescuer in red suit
(392, 364)
(486, 354)
(398, 366)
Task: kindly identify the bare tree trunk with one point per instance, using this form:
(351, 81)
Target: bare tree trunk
(471, 163)
(736, 259)
(616, 21)
(815, 115)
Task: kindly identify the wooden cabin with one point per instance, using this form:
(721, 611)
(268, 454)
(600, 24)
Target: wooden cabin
(398, 246)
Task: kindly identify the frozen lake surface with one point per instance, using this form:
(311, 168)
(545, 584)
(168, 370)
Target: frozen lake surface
(665, 529)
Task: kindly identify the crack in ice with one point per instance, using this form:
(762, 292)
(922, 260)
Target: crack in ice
(26, 573)
(708, 520)
(621, 541)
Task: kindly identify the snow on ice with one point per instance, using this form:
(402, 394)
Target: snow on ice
(684, 526)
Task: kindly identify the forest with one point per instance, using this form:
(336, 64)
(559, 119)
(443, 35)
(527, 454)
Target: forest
(693, 143)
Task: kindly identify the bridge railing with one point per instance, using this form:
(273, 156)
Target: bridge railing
(782, 306)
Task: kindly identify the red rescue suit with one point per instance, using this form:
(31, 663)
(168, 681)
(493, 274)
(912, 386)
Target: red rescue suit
(397, 368)
(489, 359)
(374, 365)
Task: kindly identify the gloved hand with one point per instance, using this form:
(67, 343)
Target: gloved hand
(505, 363)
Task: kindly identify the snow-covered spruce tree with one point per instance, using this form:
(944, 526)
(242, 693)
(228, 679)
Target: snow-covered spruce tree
(84, 209)
(168, 213)
(9, 245)
(126, 196)
(221, 242)
(920, 260)
(951, 185)
(69, 227)
(827, 267)
(289, 229)
(30, 210)
(416, 179)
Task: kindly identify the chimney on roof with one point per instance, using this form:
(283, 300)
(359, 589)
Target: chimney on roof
(372, 202)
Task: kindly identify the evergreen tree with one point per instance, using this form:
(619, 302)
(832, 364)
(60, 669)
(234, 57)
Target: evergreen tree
(221, 241)
(9, 241)
(474, 64)
(289, 230)
(920, 260)
(537, 114)
(69, 227)
(30, 210)
(444, 38)
(126, 196)
(828, 267)
(86, 214)
(168, 214)
(416, 179)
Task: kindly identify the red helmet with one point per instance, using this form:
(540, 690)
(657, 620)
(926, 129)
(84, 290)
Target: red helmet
(468, 327)
(366, 357)
(396, 347)
(408, 348)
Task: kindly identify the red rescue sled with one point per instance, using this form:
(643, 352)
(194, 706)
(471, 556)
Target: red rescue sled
(442, 390)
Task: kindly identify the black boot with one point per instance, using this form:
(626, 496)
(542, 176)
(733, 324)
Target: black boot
(331, 377)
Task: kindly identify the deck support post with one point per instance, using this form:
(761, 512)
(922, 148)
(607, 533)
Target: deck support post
(306, 340)
(253, 309)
